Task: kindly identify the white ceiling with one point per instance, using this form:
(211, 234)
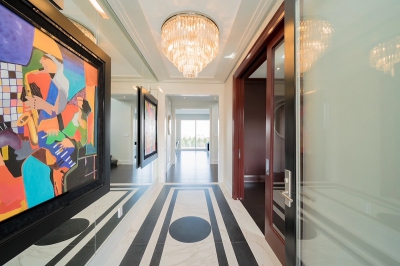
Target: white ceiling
(188, 99)
(192, 111)
(132, 35)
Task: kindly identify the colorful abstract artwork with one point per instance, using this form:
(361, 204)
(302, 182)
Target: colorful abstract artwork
(150, 131)
(48, 99)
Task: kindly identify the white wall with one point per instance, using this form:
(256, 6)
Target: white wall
(122, 119)
(121, 131)
(214, 143)
(168, 112)
(226, 125)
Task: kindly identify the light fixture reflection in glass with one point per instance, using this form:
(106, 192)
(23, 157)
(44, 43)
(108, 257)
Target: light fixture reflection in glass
(190, 41)
(384, 56)
(314, 39)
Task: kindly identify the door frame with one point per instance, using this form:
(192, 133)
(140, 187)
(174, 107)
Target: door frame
(292, 158)
(247, 66)
(273, 238)
(283, 18)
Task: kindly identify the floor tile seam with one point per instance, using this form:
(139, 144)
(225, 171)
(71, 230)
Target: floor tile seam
(83, 238)
(143, 208)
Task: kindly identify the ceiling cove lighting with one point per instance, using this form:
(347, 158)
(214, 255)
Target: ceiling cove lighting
(99, 9)
(385, 55)
(190, 41)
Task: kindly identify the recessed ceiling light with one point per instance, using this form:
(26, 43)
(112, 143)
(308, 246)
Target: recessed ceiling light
(283, 56)
(99, 9)
(278, 68)
(159, 88)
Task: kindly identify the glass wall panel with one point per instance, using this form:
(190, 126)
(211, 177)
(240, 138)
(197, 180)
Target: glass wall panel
(349, 145)
(188, 134)
(202, 133)
(278, 215)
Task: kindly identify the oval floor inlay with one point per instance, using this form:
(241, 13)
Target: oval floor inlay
(65, 231)
(190, 229)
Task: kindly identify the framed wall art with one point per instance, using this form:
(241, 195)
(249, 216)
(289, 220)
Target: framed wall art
(148, 148)
(54, 122)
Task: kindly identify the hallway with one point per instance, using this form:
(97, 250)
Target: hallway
(139, 223)
(192, 167)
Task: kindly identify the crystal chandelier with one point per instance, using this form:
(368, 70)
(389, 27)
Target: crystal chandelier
(88, 33)
(384, 56)
(314, 39)
(190, 41)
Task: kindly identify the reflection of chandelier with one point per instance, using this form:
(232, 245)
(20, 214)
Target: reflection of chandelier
(384, 56)
(190, 41)
(314, 39)
(88, 33)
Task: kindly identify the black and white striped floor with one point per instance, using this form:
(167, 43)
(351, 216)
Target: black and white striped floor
(147, 223)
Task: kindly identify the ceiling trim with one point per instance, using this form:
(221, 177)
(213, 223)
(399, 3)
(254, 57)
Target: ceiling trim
(128, 36)
(245, 41)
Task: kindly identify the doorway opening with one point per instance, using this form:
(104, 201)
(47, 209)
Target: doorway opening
(258, 135)
(194, 139)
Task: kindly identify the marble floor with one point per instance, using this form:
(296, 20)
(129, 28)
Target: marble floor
(141, 222)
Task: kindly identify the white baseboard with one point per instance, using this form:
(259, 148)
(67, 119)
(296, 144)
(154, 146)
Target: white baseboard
(228, 187)
(124, 162)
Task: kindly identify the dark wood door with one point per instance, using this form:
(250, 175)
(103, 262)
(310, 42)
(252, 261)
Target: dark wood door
(275, 147)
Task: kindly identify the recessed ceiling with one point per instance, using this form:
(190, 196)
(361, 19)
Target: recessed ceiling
(237, 20)
(181, 99)
(132, 35)
(192, 111)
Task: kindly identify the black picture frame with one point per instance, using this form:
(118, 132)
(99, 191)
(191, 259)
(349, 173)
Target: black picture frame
(148, 138)
(22, 230)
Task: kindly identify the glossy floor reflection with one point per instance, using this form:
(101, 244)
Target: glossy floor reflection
(157, 224)
(254, 202)
(192, 167)
(128, 173)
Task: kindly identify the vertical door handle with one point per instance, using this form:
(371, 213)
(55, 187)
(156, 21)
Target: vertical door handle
(287, 194)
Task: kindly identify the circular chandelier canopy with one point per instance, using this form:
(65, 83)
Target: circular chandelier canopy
(190, 41)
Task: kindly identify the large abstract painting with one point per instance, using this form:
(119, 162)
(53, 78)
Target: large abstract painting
(55, 88)
(147, 127)
(47, 110)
